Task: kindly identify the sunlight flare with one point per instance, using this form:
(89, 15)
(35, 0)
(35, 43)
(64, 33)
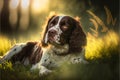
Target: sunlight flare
(39, 5)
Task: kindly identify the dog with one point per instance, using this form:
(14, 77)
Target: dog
(63, 41)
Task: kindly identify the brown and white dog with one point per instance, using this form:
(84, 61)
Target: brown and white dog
(65, 41)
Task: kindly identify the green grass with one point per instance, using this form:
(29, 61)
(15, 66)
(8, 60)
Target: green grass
(5, 44)
(102, 47)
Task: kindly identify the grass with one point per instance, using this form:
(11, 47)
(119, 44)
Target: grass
(98, 48)
(5, 44)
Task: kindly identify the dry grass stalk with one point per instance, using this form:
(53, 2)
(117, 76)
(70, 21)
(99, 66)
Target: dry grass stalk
(109, 16)
(95, 24)
(99, 21)
(95, 32)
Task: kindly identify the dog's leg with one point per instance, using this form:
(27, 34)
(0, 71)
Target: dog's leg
(80, 58)
(42, 69)
(14, 50)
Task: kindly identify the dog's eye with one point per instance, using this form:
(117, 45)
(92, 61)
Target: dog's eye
(64, 28)
(62, 23)
(51, 24)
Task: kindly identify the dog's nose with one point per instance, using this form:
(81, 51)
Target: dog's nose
(52, 32)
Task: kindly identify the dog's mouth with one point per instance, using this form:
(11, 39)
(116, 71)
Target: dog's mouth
(53, 40)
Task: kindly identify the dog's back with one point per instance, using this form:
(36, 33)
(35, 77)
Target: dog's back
(25, 53)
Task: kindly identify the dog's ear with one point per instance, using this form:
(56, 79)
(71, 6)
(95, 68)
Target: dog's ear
(77, 38)
(44, 39)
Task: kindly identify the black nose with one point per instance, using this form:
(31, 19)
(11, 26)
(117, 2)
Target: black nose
(52, 32)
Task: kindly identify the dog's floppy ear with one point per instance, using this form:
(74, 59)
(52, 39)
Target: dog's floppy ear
(77, 39)
(44, 42)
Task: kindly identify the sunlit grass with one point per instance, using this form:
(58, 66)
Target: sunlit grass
(98, 48)
(6, 66)
(5, 44)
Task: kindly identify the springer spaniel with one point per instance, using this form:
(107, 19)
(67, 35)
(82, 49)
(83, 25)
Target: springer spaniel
(63, 41)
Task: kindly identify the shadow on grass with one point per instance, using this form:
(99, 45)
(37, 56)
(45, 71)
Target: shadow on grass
(102, 70)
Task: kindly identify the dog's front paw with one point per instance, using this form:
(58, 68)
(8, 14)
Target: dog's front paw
(79, 60)
(83, 61)
(44, 71)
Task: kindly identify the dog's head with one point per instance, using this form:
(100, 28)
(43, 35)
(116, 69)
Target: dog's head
(61, 30)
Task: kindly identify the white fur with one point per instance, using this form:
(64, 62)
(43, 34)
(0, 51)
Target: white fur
(60, 49)
(46, 37)
(26, 61)
(56, 28)
(16, 49)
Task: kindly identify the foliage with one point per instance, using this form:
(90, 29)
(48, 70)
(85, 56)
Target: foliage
(5, 44)
(99, 48)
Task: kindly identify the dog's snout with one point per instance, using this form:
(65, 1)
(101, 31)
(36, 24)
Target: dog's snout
(52, 32)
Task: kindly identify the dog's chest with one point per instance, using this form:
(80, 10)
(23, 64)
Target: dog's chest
(51, 60)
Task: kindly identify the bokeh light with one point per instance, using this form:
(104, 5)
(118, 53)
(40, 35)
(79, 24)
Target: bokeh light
(14, 4)
(25, 4)
(13, 17)
(39, 6)
(24, 19)
(1, 5)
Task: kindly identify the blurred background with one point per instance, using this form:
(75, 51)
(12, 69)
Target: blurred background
(25, 17)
